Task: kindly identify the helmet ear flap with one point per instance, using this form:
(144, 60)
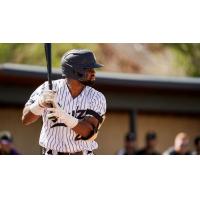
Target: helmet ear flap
(81, 74)
(74, 73)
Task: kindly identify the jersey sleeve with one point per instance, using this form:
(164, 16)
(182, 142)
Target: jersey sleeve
(34, 96)
(98, 104)
(97, 110)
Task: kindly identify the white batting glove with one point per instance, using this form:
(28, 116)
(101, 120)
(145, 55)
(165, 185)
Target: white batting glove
(46, 99)
(59, 113)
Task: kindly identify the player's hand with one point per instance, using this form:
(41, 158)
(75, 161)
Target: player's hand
(59, 113)
(56, 112)
(47, 99)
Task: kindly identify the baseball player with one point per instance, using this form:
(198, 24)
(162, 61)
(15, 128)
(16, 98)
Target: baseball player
(73, 111)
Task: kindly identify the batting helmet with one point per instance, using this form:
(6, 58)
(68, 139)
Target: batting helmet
(74, 63)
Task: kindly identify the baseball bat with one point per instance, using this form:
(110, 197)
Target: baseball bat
(47, 47)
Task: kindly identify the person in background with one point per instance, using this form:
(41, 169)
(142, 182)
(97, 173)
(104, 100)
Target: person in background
(130, 145)
(181, 145)
(6, 144)
(197, 146)
(150, 146)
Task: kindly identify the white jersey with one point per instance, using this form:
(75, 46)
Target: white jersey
(56, 136)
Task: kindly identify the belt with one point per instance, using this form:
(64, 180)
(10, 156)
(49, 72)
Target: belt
(51, 152)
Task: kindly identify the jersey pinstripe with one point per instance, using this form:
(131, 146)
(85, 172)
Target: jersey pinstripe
(57, 137)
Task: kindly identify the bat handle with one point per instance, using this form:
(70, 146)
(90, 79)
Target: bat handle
(54, 119)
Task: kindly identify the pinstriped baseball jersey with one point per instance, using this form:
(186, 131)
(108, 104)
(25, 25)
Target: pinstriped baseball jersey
(60, 138)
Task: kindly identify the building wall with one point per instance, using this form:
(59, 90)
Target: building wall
(25, 137)
(110, 138)
(167, 126)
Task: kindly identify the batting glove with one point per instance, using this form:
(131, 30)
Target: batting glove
(46, 100)
(59, 113)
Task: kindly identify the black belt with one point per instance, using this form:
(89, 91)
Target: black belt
(50, 152)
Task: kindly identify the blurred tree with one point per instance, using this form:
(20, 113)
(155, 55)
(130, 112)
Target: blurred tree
(33, 54)
(188, 55)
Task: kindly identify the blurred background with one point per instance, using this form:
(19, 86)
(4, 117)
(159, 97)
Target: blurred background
(152, 92)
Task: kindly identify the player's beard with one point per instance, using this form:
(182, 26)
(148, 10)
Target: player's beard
(88, 82)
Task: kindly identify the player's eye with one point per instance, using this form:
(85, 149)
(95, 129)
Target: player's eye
(90, 70)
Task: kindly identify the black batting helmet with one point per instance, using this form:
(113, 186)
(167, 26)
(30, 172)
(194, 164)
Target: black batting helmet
(74, 63)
